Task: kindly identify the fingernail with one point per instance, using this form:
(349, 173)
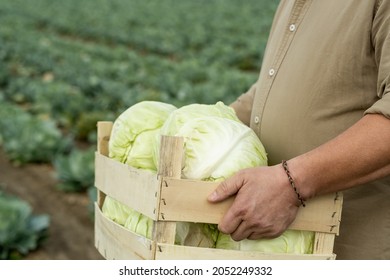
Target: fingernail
(213, 196)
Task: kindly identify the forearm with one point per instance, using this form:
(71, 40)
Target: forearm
(359, 155)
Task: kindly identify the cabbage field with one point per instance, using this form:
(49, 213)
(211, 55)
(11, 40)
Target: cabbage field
(64, 65)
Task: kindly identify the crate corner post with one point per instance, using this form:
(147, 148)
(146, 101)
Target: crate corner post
(171, 153)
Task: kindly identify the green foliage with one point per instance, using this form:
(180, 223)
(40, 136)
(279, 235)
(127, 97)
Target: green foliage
(92, 195)
(70, 63)
(20, 230)
(85, 129)
(75, 171)
(26, 138)
(179, 52)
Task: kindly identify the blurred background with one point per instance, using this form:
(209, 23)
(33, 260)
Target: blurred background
(64, 65)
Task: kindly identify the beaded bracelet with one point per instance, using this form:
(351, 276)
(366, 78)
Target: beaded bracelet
(284, 164)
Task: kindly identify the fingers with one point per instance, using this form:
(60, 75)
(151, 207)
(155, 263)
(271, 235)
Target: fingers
(241, 232)
(235, 218)
(230, 222)
(240, 225)
(247, 231)
(226, 189)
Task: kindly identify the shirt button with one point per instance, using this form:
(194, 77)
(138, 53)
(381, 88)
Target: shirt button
(292, 27)
(257, 119)
(271, 72)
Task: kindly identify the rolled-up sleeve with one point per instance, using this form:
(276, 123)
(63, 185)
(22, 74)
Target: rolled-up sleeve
(243, 105)
(381, 43)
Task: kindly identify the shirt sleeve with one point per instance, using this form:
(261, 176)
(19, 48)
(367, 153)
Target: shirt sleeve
(381, 43)
(243, 105)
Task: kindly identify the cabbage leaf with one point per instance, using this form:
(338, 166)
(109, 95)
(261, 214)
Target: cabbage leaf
(216, 148)
(291, 241)
(116, 211)
(134, 132)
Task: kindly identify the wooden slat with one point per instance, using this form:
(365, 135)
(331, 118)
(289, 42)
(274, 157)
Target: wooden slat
(323, 243)
(103, 137)
(171, 151)
(321, 214)
(186, 200)
(115, 242)
(173, 252)
(135, 188)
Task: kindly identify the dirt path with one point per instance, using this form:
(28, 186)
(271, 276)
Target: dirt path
(71, 226)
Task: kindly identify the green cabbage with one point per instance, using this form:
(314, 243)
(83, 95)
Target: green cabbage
(116, 211)
(132, 141)
(208, 158)
(216, 148)
(183, 115)
(291, 241)
(134, 132)
(196, 234)
(134, 137)
(127, 217)
(21, 231)
(140, 224)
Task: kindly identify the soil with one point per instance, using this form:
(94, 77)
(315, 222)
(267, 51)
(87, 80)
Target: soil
(71, 231)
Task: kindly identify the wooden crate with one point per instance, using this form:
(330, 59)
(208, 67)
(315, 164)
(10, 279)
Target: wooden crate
(166, 198)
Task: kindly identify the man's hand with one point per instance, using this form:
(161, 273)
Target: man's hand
(264, 206)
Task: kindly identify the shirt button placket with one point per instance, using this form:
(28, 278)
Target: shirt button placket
(271, 72)
(257, 119)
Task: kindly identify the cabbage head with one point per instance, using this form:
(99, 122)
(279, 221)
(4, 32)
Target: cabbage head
(216, 145)
(116, 211)
(127, 217)
(132, 141)
(291, 241)
(182, 115)
(196, 234)
(134, 132)
(134, 137)
(140, 224)
(215, 148)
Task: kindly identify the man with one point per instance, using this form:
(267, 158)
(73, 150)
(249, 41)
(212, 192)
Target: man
(322, 103)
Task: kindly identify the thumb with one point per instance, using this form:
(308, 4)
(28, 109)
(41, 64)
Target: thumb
(226, 189)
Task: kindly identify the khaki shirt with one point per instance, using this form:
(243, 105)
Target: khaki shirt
(327, 63)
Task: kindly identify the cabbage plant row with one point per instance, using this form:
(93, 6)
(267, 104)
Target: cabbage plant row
(67, 64)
